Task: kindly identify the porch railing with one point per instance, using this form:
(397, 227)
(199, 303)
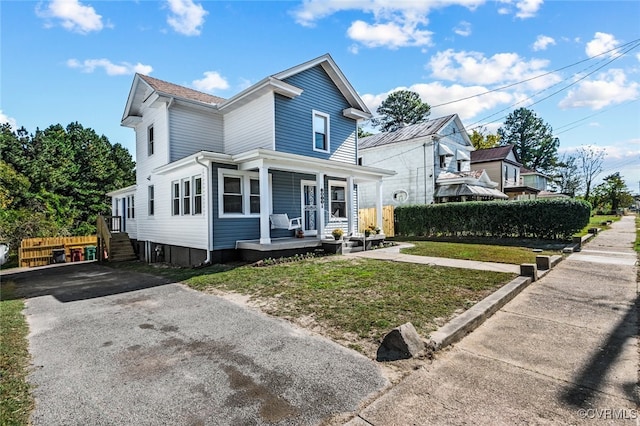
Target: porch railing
(106, 225)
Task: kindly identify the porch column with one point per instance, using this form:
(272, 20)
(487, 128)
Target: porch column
(351, 215)
(321, 202)
(265, 229)
(379, 205)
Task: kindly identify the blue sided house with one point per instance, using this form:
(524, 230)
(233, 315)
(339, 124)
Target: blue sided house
(245, 177)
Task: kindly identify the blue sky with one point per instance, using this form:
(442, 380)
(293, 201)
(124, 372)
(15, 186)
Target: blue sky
(74, 60)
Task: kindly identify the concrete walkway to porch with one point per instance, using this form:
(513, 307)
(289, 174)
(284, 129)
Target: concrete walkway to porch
(393, 254)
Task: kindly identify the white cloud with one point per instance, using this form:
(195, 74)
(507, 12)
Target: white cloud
(606, 89)
(463, 29)
(389, 35)
(475, 68)
(542, 42)
(436, 93)
(394, 24)
(124, 68)
(602, 42)
(186, 16)
(524, 8)
(6, 119)
(212, 81)
(72, 15)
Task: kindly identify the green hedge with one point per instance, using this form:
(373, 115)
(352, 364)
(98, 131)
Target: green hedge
(556, 219)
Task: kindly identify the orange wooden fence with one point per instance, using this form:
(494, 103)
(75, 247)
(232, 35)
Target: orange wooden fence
(367, 217)
(39, 251)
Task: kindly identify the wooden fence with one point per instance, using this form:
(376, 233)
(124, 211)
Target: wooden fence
(39, 251)
(367, 217)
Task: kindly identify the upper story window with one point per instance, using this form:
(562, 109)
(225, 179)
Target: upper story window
(443, 161)
(320, 131)
(150, 140)
(338, 199)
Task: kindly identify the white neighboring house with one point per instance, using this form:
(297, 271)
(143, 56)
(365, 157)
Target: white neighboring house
(432, 161)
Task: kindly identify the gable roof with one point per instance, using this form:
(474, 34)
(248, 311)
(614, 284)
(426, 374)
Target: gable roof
(426, 128)
(171, 89)
(499, 153)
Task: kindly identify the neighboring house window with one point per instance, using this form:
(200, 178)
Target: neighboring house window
(175, 198)
(131, 213)
(459, 165)
(151, 200)
(186, 196)
(150, 140)
(197, 195)
(320, 132)
(443, 161)
(338, 200)
(239, 193)
(506, 173)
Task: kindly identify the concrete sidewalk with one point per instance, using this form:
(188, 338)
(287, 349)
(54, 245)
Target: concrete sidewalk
(393, 253)
(565, 351)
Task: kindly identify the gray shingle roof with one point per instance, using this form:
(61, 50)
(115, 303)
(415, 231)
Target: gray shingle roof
(180, 91)
(406, 133)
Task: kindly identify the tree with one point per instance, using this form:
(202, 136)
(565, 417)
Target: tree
(568, 179)
(362, 133)
(480, 140)
(533, 139)
(612, 192)
(399, 109)
(590, 163)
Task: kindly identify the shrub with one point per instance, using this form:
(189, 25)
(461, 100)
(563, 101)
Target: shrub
(545, 219)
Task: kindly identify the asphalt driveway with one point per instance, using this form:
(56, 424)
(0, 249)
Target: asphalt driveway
(120, 348)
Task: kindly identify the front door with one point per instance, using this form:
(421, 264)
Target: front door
(310, 215)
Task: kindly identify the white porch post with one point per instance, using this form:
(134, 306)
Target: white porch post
(265, 229)
(321, 202)
(350, 207)
(379, 205)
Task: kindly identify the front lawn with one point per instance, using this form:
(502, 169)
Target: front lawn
(478, 252)
(16, 402)
(596, 221)
(357, 297)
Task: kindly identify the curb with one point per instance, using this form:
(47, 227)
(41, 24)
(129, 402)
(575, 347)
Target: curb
(469, 320)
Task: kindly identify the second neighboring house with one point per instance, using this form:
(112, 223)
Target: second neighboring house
(432, 161)
(210, 171)
(503, 166)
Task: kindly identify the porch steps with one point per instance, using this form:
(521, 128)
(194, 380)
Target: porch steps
(350, 247)
(121, 248)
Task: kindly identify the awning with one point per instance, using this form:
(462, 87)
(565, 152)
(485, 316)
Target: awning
(444, 150)
(462, 155)
(468, 191)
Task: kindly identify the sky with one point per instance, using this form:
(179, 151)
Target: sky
(576, 64)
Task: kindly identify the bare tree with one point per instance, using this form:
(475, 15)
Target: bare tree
(590, 162)
(567, 178)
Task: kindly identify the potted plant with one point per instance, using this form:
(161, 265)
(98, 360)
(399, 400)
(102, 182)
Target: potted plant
(337, 234)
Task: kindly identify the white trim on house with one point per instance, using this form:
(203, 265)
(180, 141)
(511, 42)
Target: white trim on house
(245, 191)
(326, 118)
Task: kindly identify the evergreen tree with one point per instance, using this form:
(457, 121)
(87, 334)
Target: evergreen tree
(401, 108)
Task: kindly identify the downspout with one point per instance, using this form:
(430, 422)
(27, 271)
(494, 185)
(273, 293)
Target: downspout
(424, 154)
(209, 215)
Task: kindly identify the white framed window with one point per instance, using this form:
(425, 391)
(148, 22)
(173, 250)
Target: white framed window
(131, 208)
(151, 194)
(197, 195)
(186, 196)
(338, 199)
(321, 130)
(239, 193)
(175, 198)
(150, 140)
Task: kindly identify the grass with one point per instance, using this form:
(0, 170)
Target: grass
(16, 402)
(596, 222)
(478, 252)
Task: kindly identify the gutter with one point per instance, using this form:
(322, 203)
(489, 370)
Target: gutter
(208, 216)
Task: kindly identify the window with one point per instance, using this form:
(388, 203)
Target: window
(320, 132)
(186, 196)
(443, 161)
(459, 165)
(232, 198)
(131, 213)
(150, 140)
(238, 193)
(197, 195)
(175, 198)
(338, 200)
(254, 196)
(151, 200)
(506, 173)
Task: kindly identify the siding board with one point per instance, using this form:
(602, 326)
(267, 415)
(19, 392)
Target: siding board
(192, 130)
